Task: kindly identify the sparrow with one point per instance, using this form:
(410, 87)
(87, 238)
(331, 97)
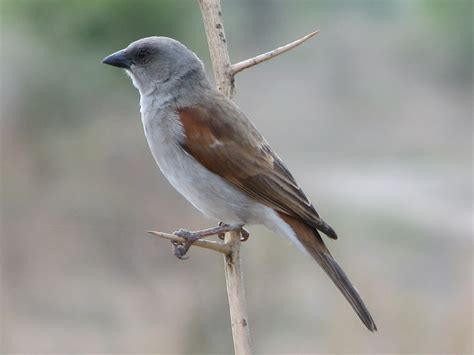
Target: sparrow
(214, 156)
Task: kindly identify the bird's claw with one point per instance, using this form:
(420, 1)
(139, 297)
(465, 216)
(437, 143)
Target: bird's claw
(221, 235)
(181, 248)
(184, 233)
(244, 233)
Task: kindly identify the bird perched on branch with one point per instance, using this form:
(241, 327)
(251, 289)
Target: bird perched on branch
(215, 157)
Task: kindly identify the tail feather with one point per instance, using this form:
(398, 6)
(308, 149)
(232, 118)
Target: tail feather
(340, 279)
(314, 244)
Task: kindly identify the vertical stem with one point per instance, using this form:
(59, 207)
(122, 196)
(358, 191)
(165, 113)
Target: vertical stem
(236, 295)
(214, 26)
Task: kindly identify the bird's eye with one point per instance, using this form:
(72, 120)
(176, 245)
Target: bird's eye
(142, 54)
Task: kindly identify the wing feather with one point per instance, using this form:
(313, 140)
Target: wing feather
(238, 153)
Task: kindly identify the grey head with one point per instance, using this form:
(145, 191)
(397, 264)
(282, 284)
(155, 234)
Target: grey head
(157, 63)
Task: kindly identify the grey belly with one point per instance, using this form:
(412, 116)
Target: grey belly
(208, 192)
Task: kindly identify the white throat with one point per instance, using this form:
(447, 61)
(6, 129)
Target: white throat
(144, 91)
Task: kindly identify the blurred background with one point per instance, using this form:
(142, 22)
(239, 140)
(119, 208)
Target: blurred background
(373, 117)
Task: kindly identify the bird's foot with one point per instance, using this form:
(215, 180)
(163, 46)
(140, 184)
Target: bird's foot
(244, 234)
(181, 248)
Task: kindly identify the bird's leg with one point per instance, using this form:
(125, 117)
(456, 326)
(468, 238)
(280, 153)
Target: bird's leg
(244, 233)
(181, 248)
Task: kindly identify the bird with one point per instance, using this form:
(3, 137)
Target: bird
(214, 156)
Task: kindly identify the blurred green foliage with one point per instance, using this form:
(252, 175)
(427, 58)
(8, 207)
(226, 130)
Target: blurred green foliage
(100, 24)
(67, 40)
(452, 25)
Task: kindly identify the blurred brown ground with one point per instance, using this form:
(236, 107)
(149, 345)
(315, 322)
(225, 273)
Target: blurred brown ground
(373, 117)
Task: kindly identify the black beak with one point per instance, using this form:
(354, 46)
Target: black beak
(118, 59)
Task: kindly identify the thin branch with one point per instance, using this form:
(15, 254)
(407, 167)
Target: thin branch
(238, 67)
(202, 243)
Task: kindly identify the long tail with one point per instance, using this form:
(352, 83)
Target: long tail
(313, 243)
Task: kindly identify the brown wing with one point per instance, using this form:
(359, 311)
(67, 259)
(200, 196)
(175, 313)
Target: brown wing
(222, 139)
